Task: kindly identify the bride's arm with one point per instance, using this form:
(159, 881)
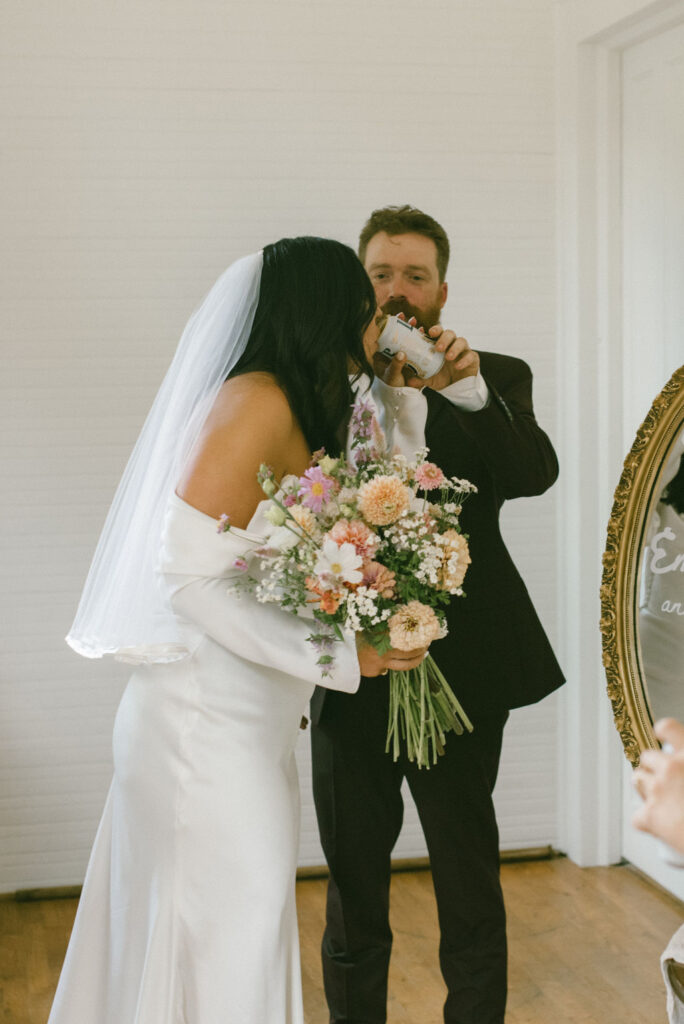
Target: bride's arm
(269, 636)
(261, 633)
(250, 424)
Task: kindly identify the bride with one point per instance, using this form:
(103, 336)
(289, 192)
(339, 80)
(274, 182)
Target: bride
(188, 908)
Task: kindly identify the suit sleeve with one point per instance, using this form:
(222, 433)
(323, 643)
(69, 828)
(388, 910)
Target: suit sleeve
(515, 449)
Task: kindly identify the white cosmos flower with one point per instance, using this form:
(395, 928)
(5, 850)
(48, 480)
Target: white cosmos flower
(340, 560)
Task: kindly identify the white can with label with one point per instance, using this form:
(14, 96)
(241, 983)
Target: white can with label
(398, 336)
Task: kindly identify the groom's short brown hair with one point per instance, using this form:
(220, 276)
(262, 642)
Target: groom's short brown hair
(401, 220)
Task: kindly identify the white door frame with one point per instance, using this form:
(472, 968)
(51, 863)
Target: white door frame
(590, 38)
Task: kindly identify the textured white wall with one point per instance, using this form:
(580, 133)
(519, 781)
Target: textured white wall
(151, 145)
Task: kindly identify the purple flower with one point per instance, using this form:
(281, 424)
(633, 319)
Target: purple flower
(360, 457)
(289, 500)
(361, 423)
(315, 488)
(321, 644)
(240, 564)
(223, 524)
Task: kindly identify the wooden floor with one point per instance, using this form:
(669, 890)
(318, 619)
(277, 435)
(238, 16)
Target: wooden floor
(584, 948)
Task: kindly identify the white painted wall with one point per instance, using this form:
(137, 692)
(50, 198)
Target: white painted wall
(150, 146)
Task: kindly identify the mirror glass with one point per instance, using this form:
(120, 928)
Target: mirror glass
(660, 627)
(642, 591)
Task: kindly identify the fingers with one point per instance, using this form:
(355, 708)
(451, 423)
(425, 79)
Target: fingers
(654, 772)
(640, 782)
(456, 351)
(649, 761)
(447, 341)
(659, 781)
(391, 370)
(404, 664)
(373, 664)
(643, 782)
(669, 730)
(466, 360)
(660, 808)
(458, 354)
(394, 375)
(402, 661)
(641, 819)
(415, 652)
(442, 339)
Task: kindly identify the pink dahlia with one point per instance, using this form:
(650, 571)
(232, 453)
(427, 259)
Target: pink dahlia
(354, 531)
(428, 476)
(378, 577)
(315, 488)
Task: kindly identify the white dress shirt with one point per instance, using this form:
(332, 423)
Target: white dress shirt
(402, 412)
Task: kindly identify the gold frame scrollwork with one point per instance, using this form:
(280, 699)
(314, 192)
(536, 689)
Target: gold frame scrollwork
(632, 504)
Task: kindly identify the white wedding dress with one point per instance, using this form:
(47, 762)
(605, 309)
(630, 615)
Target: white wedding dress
(188, 909)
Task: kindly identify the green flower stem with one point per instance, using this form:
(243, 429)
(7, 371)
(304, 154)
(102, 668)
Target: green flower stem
(422, 710)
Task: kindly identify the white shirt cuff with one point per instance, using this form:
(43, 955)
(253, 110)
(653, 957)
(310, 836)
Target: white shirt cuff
(470, 393)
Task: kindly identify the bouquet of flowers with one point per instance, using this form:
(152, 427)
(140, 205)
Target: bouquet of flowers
(372, 544)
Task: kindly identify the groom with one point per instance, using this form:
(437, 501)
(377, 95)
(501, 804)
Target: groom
(477, 418)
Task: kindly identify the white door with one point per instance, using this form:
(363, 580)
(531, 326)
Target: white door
(653, 282)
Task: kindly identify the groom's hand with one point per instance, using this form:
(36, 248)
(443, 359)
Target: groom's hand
(373, 664)
(391, 371)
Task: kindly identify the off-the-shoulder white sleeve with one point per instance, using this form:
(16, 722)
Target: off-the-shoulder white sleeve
(197, 564)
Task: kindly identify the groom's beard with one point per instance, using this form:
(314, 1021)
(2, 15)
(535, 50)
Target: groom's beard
(425, 318)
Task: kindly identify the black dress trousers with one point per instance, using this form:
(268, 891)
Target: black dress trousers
(360, 812)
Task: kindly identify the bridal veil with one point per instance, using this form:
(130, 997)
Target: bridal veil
(124, 609)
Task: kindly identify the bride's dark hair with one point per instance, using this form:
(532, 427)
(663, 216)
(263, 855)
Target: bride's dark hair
(315, 303)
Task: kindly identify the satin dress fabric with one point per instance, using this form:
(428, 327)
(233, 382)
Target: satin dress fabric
(188, 909)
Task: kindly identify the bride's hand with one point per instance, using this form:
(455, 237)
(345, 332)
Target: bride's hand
(373, 664)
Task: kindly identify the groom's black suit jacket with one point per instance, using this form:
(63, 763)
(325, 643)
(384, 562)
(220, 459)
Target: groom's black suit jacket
(496, 655)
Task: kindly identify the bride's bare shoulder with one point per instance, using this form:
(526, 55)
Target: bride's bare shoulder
(252, 395)
(250, 423)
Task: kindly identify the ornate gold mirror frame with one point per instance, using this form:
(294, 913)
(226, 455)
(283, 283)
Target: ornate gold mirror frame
(632, 506)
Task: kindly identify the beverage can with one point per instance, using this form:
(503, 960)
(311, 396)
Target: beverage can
(421, 357)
